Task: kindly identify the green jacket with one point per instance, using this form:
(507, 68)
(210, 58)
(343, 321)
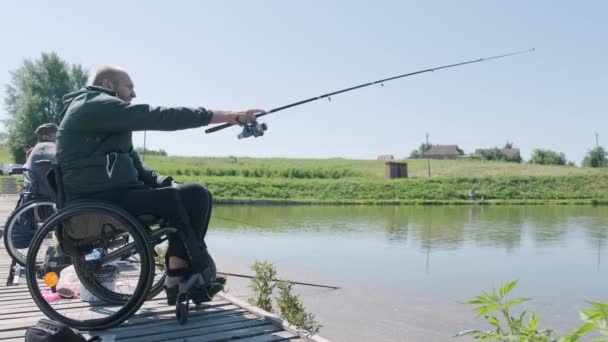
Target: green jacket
(94, 144)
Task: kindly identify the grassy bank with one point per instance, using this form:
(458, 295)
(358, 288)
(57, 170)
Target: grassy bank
(281, 180)
(278, 180)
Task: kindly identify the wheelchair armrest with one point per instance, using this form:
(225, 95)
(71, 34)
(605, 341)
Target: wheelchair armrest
(148, 220)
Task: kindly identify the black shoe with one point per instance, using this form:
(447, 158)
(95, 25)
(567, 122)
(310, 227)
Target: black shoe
(220, 280)
(171, 294)
(201, 295)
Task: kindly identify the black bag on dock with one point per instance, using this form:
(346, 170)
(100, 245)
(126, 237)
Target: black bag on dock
(47, 330)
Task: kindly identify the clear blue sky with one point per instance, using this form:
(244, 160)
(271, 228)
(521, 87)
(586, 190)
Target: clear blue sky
(240, 54)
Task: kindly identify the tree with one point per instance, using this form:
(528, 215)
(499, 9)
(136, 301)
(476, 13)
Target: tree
(421, 151)
(596, 158)
(34, 96)
(508, 144)
(547, 157)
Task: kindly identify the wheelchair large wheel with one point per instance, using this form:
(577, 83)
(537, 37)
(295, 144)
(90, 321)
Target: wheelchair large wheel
(88, 311)
(94, 280)
(22, 224)
(93, 277)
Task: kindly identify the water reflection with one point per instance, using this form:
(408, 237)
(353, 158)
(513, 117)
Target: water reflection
(437, 228)
(412, 263)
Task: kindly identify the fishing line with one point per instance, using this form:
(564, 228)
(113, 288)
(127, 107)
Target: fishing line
(381, 82)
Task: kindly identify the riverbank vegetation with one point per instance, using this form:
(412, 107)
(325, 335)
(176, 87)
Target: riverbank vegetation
(346, 181)
(281, 180)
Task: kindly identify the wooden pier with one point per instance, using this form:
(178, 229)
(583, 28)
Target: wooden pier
(226, 318)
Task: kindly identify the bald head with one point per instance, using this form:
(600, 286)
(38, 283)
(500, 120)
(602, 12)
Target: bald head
(116, 79)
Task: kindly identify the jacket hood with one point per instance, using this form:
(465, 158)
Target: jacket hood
(67, 98)
(70, 96)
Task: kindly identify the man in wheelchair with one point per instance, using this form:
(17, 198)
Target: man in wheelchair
(34, 176)
(97, 160)
(34, 188)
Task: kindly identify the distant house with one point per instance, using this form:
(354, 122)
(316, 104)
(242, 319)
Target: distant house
(444, 152)
(386, 157)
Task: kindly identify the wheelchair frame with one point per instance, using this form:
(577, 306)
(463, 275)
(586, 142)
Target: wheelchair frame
(144, 241)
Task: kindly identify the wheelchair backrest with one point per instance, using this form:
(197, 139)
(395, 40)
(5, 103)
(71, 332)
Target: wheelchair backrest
(55, 183)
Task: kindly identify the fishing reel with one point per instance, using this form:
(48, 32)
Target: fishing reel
(254, 129)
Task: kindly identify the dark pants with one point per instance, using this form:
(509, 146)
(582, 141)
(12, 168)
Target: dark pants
(186, 206)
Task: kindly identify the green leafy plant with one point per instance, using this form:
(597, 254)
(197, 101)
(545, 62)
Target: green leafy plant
(517, 328)
(291, 307)
(293, 311)
(159, 256)
(262, 285)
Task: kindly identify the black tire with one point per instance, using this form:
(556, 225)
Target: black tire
(18, 254)
(181, 312)
(142, 247)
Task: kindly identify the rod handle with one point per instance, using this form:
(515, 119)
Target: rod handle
(217, 128)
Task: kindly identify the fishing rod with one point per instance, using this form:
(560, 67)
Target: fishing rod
(256, 129)
(293, 282)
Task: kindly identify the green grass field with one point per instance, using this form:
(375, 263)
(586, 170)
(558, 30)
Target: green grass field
(362, 181)
(236, 179)
(364, 168)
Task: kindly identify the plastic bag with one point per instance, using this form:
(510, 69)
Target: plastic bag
(68, 285)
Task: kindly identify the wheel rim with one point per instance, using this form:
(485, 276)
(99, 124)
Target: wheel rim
(17, 252)
(114, 317)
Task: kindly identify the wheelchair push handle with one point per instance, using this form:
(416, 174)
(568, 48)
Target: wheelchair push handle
(44, 162)
(18, 170)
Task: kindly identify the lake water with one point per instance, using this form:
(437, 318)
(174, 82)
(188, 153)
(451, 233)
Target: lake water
(403, 269)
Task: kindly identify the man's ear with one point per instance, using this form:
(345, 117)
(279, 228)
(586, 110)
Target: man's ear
(106, 83)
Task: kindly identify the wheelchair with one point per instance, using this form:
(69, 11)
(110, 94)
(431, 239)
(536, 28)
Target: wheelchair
(111, 255)
(29, 214)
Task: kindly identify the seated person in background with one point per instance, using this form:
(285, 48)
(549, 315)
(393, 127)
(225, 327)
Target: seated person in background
(473, 194)
(35, 185)
(97, 160)
(34, 177)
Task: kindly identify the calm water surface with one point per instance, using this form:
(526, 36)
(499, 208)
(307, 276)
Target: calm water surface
(403, 269)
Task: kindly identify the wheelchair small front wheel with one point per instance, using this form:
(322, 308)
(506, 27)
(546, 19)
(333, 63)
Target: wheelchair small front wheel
(181, 312)
(21, 225)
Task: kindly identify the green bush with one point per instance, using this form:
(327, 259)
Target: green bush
(291, 307)
(263, 284)
(497, 311)
(596, 158)
(547, 157)
(293, 311)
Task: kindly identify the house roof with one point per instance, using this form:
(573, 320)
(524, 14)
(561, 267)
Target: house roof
(444, 150)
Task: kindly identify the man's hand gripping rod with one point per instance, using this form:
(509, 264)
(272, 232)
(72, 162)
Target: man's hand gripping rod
(260, 128)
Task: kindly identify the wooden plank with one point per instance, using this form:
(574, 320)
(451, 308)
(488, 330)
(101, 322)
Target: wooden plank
(272, 318)
(149, 308)
(276, 336)
(218, 317)
(222, 332)
(229, 335)
(31, 317)
(153, 331)
(140, 320)
(222, 319)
